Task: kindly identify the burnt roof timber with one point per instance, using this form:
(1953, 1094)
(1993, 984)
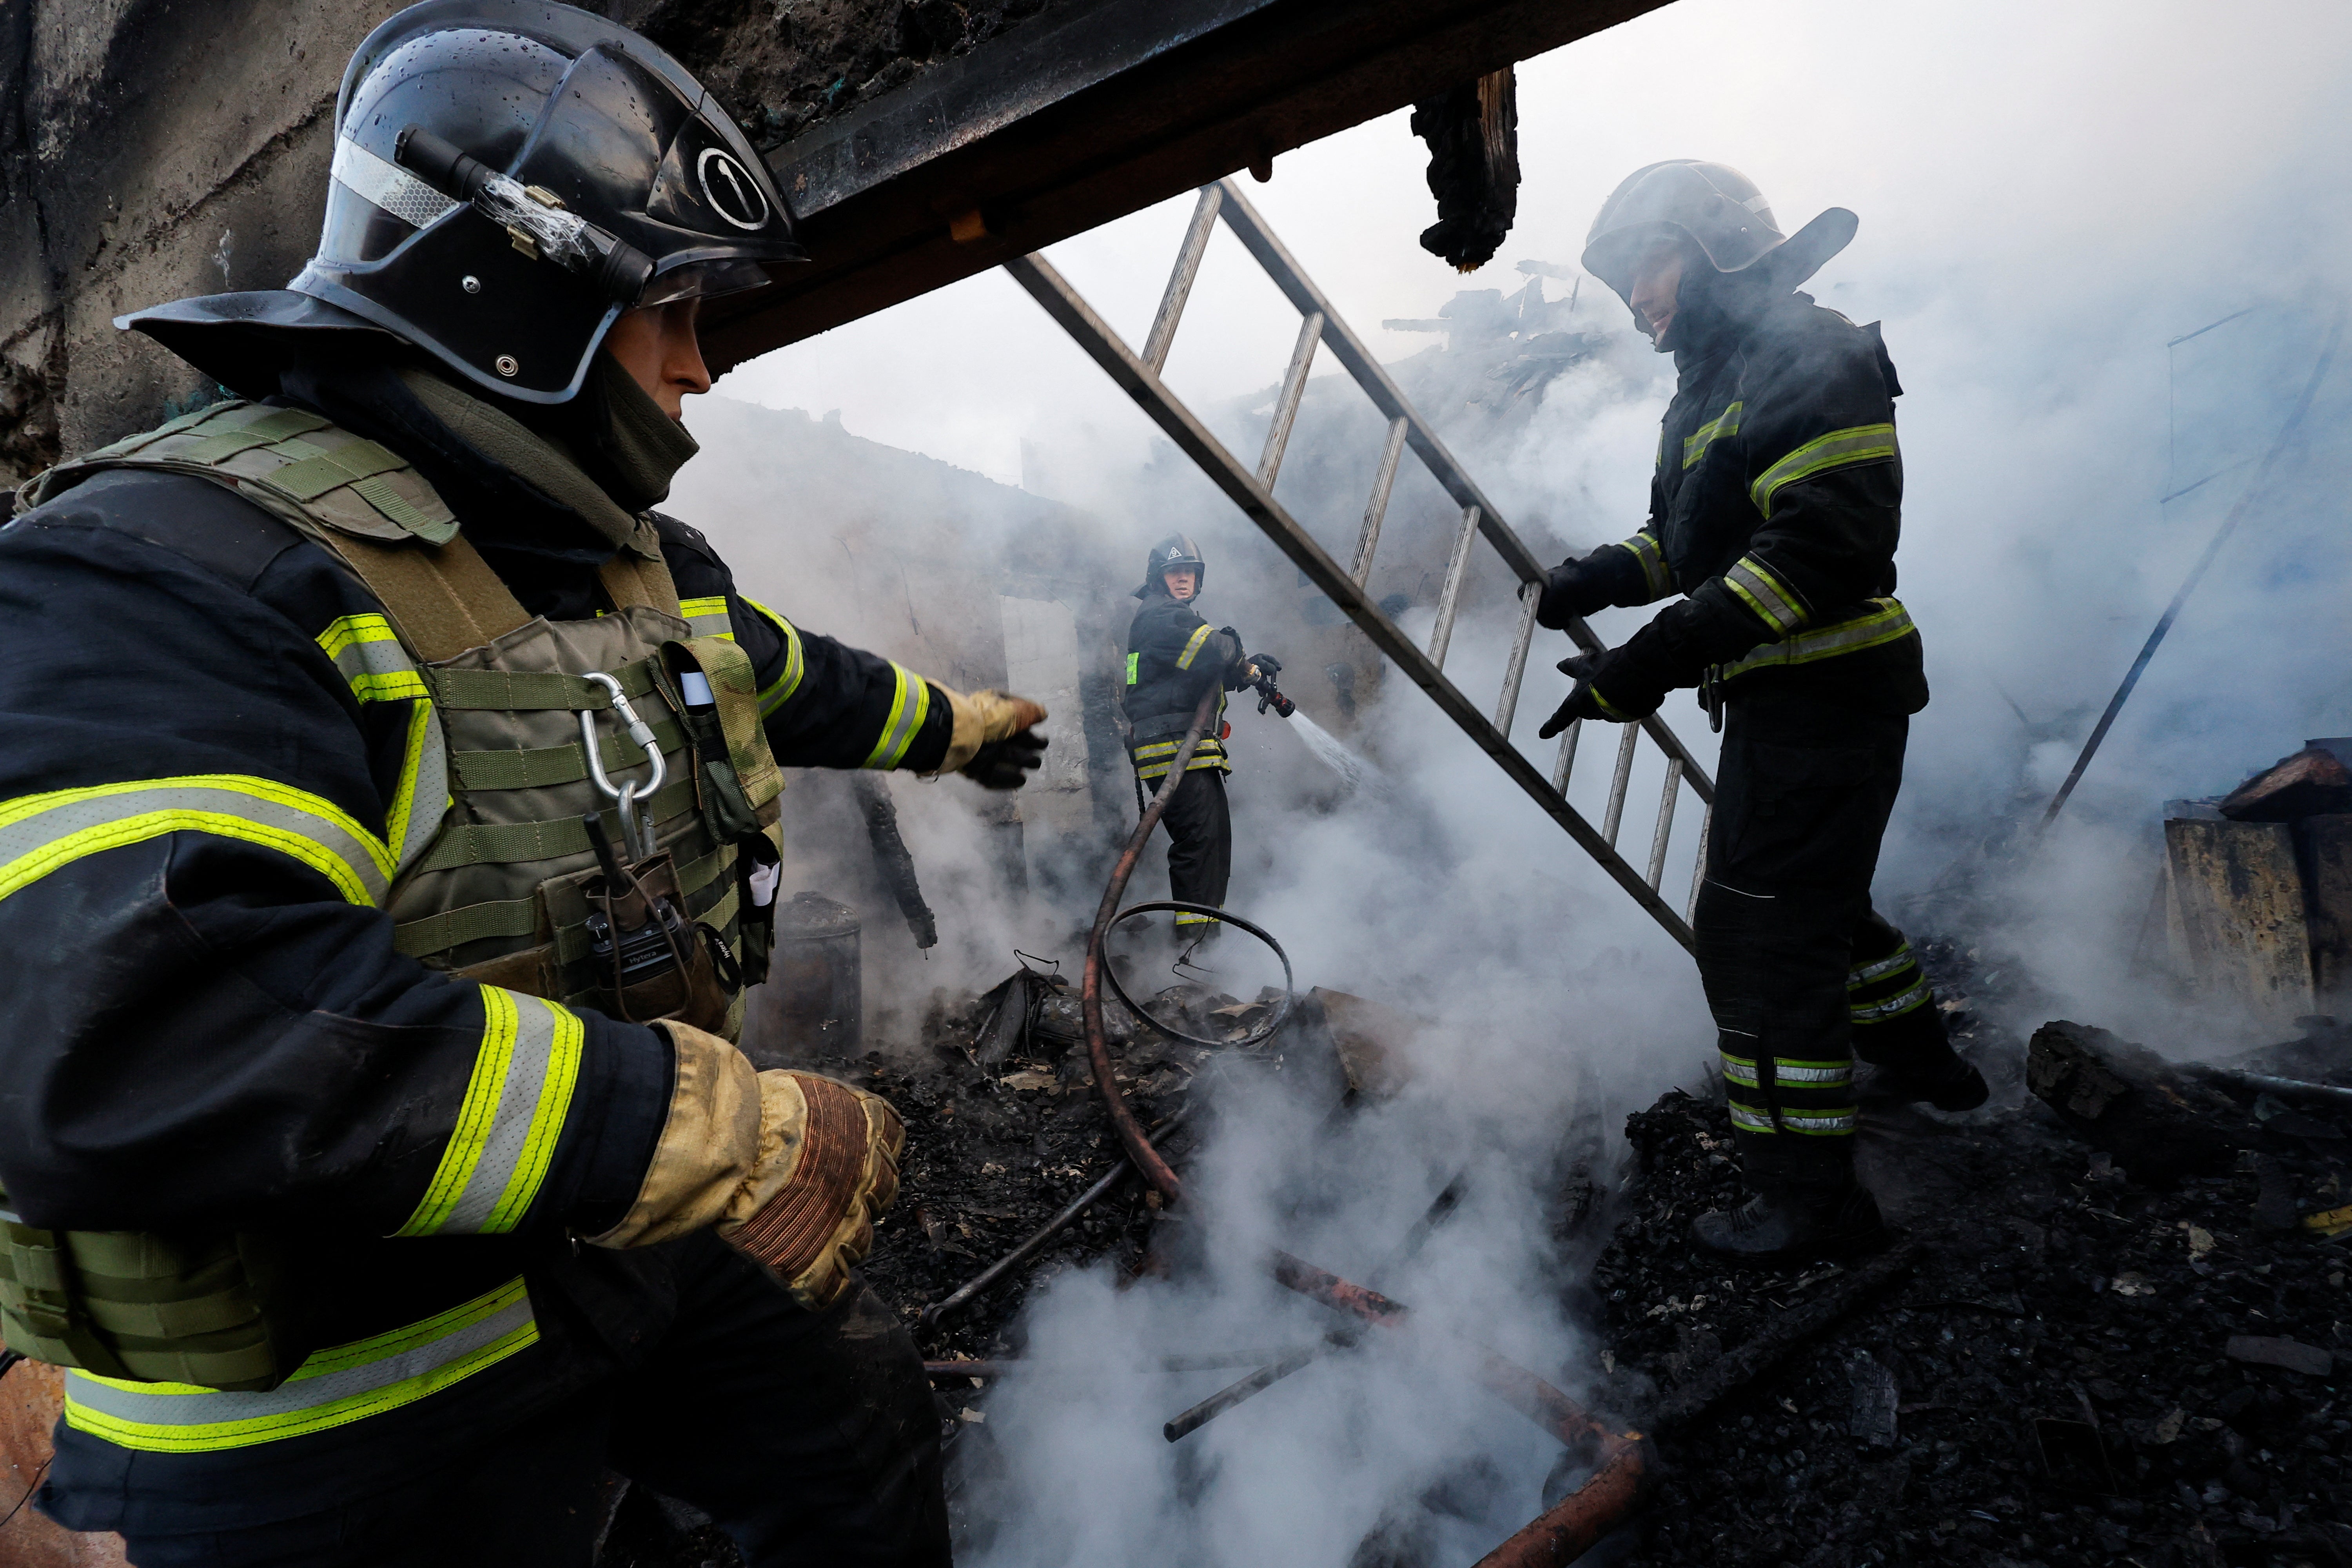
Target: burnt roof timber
(1063, 124)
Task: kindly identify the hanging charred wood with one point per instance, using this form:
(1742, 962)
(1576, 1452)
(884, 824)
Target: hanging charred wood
(890, 856)
(1473, 133)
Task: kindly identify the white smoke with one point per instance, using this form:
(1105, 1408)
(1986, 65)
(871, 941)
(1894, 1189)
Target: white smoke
(2047, 200)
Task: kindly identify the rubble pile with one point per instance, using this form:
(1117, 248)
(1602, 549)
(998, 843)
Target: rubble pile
(2056, 1364)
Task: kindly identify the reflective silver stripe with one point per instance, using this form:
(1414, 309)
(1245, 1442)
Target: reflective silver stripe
(1654, 575)
(1879, 1011)
(1750, 1121)
(707, 615)
(506, 1130)
(387, 186)
(180, 1417)
(1738, 1070)
(909, 702)
(368, 654)
(775, 695)
(1696, 444)
(1890, 623)
(1838, 449)
(1863, 974)
(1779, 608)
(40, 833)
(1192, 648)
(1798, 1122)
(1816, 1075)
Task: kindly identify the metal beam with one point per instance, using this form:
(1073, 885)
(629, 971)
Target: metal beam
(1093, 111)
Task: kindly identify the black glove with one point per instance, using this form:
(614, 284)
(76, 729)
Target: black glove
(1007, 763)
(1570, 589)
(1268, 667)
(1586, 701)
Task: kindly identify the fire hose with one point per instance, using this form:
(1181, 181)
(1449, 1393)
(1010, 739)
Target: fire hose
(1562, 1533)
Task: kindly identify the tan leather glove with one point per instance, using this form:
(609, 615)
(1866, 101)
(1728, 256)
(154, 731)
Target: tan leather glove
(792, 1169)
(993, 742)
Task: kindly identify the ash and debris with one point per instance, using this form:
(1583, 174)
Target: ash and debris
(2075, 1367)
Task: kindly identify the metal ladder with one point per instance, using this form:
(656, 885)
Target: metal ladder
(1252, 490)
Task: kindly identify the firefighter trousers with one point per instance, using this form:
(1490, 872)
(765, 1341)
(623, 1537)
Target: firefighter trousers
(1199, 845)
(1790, 949)
(810, 1439)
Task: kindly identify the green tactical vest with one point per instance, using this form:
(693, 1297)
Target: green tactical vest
(494, 861)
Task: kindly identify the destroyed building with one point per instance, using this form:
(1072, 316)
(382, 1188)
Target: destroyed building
(2112, 1325)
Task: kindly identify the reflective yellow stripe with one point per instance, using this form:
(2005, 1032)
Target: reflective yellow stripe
(1818, 1123)
(1192, 648)
(40, 833)
(422, 799)
(1890, 623)
(1654, 575)
(1133, 660)
(1608, 710)
(364, 649)
(1738, 1070)
(332, 1388)
(708, 616)
(514, 1108)
(1863, 974)
(1766, 595)
(1838, 449)
(1750, 1121)
(910, 703)
(777, 692)
(1893, 1006)
(1696, 444)
(1812, 1075)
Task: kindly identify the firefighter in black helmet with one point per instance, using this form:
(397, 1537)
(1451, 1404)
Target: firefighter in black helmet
(392, 834)
(1173, 656)
(1774, 511)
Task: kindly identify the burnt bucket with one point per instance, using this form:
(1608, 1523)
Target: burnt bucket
(811, 1003)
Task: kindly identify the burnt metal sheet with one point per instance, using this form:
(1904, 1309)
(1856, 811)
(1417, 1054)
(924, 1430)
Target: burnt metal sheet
(1070, 120)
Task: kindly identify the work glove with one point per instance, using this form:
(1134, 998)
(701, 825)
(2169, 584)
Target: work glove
(994, 742)
(828, 1168)
(791, 1169)
(1585, 700)
(1570, 589)
(1264, 666)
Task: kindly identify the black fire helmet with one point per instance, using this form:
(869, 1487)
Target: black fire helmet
(1718, 208)
(1174, 552)
(509, 176)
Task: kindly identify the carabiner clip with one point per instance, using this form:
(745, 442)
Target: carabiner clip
(636, 821)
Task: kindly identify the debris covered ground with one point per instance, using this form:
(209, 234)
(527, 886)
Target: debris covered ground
(2057, 1364)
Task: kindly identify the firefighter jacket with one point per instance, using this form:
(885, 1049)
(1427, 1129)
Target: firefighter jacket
(1173, 656)
(1775, 510)
(254, 1013)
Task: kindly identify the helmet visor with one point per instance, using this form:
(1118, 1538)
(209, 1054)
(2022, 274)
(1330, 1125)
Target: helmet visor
(705, 280)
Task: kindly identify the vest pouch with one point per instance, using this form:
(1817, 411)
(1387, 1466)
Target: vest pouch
(711, 684)
(759, 872)
(651, 961)
(210, 1310)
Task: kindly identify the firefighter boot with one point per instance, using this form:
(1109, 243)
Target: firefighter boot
(1807, 1205)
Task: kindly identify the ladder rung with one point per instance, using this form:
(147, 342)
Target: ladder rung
(1179, 281)
(1286, 407)
(1698, 871)
(1449, 598)
(1616, 812)
(1567, 755)
(1506, 708)
(1665, 821)
(1383, 481)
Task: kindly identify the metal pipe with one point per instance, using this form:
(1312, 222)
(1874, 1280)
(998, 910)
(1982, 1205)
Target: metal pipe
(1567, 755)
(1285, 403)
(1377, 508)
(1507, 707)
(1449, 598)
(1615, 812)
(1665, 822)
(1052, 1228)
(1179, 281)
(2266, 1082)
